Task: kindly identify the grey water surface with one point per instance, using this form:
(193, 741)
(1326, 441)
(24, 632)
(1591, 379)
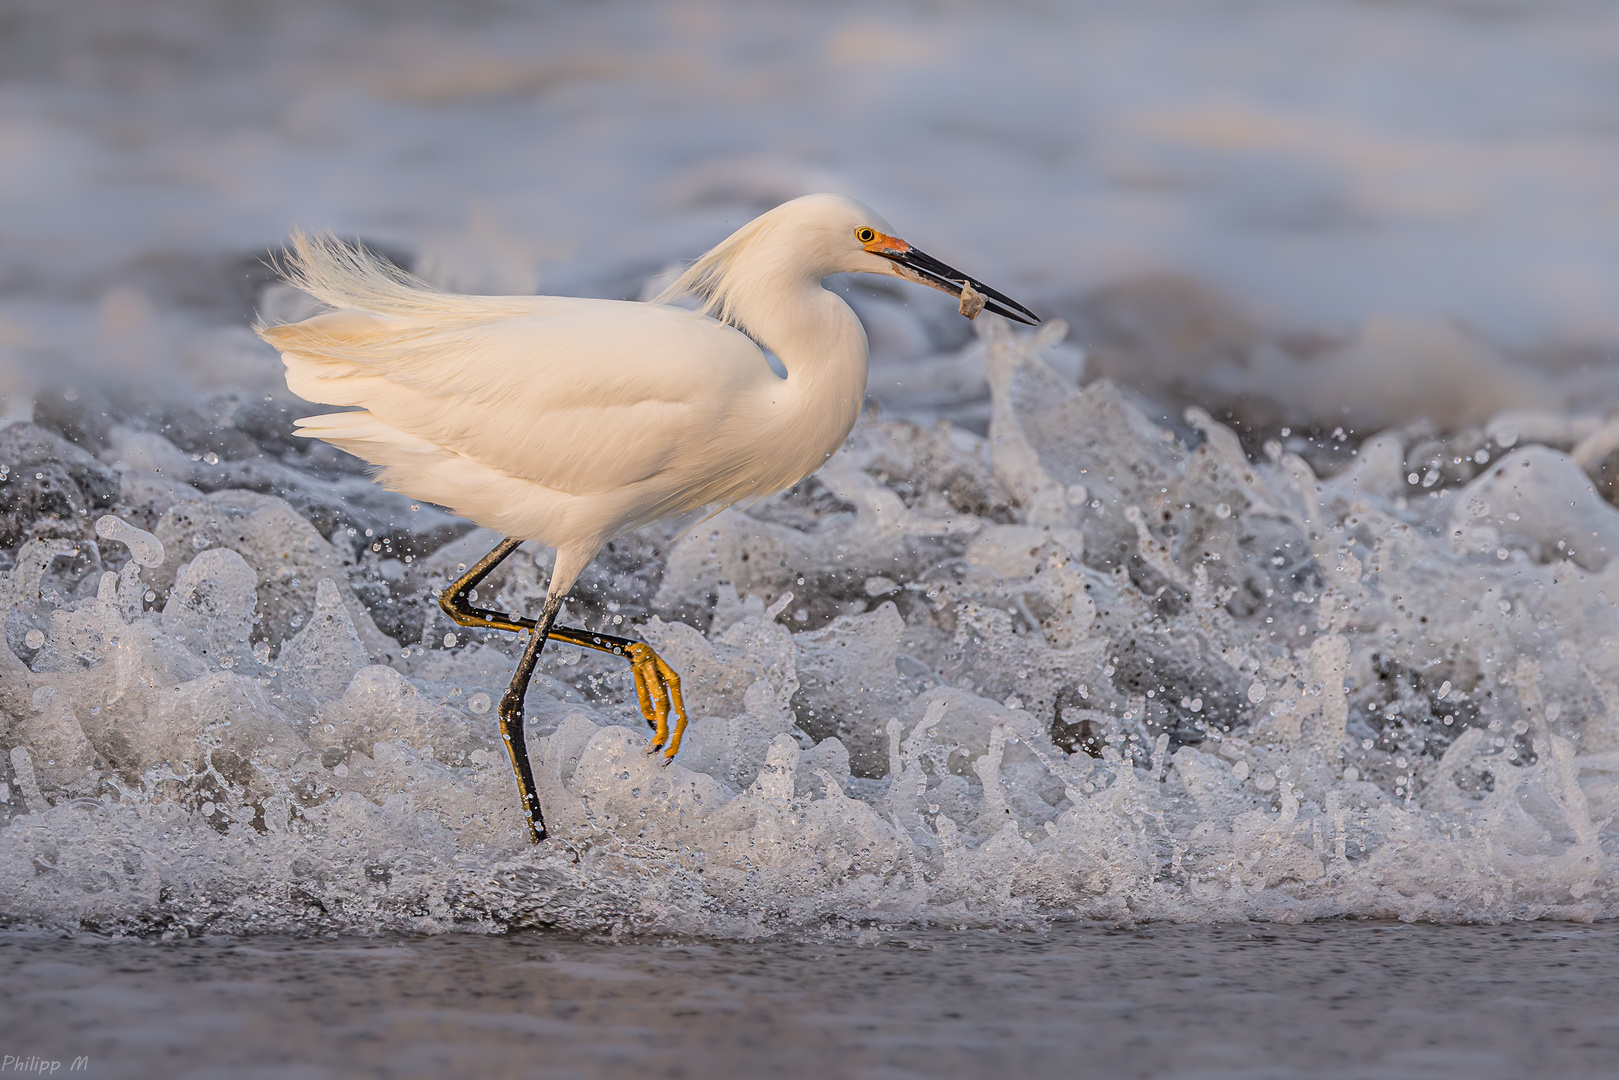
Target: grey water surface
(1341, 999)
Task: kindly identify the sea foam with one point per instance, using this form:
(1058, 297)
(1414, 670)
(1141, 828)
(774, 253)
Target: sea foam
(1088, 666)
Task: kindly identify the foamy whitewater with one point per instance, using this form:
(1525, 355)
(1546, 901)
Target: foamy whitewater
(1087, 666)
(1046, 640)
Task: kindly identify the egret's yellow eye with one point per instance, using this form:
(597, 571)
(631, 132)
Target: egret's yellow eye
(865, 236)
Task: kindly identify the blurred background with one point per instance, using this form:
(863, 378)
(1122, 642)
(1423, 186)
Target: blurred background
(1310, 214)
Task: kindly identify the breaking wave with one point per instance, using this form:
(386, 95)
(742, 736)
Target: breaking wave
(1093, 665)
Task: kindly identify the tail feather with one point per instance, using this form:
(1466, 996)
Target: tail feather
(352, 278)
(369, 439)
(383, 318)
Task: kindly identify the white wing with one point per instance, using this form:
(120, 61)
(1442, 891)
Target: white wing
(581, 396)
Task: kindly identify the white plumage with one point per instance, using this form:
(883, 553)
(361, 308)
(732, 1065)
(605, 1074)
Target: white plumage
(572, 421)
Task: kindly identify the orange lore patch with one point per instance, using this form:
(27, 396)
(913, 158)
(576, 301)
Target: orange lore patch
(883, 244)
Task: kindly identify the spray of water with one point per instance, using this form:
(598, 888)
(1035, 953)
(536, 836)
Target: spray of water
(1087, 666)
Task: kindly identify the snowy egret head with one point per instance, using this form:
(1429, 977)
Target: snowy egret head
(817, 235)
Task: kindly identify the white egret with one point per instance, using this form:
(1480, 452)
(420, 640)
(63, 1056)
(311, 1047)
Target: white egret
(573, 421)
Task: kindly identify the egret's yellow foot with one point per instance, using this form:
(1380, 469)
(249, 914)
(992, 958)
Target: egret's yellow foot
(657, 687)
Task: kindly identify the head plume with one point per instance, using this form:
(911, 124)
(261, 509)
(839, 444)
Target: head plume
(821, 225)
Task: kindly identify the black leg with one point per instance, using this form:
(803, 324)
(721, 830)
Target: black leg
(657, 686)
(457, 606)
(511, 718)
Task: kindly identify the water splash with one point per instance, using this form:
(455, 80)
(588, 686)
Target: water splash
(1089, 666)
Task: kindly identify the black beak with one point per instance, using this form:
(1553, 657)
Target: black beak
(926, 270)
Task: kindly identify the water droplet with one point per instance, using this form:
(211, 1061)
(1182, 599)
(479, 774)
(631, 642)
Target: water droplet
(479, 702)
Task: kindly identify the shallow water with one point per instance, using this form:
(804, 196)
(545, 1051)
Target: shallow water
(1333, 999)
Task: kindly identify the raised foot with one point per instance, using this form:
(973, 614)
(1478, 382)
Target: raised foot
(657, 688)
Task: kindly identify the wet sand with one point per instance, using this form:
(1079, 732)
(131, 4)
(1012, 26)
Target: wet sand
(1322, 1000)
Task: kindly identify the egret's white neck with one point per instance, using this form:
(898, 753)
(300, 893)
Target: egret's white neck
(821, 344)
(766, 279)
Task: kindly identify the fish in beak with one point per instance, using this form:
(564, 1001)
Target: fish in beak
(974, 295)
